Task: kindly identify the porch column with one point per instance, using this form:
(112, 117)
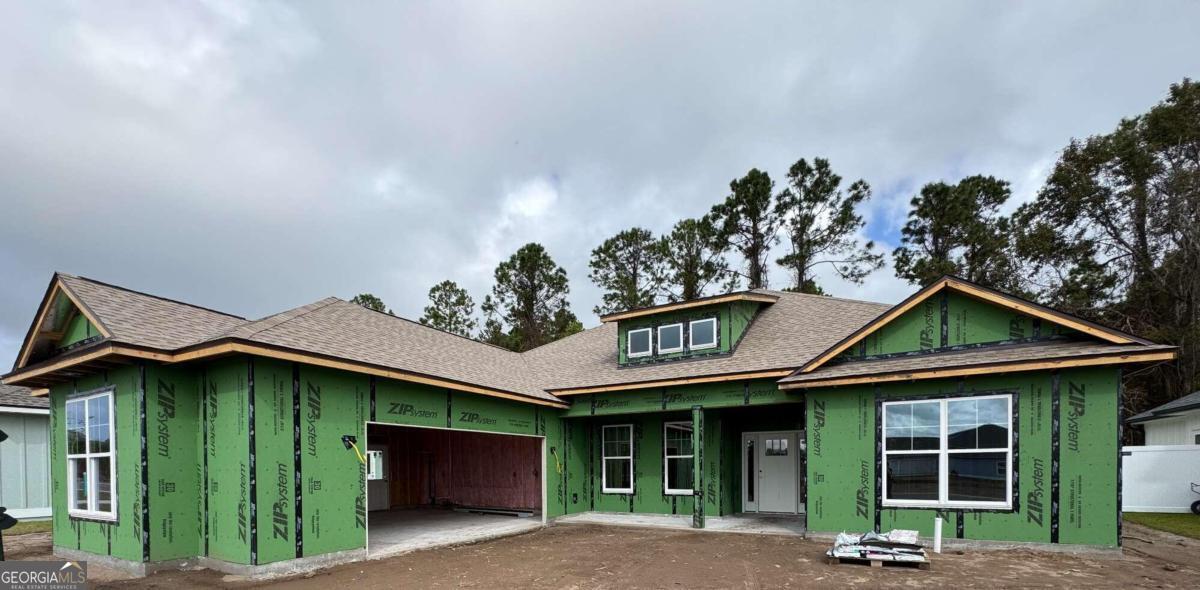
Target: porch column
(697, 467)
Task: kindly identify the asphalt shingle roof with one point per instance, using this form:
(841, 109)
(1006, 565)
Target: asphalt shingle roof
(11, 395)
(991, 355)
(784, 335)
(1190, 401)
(146, 320)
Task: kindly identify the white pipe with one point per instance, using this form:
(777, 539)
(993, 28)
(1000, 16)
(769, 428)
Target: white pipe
(937, 534)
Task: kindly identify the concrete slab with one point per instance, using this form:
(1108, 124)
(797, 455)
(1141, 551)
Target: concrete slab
(395, 532)
(758, 524)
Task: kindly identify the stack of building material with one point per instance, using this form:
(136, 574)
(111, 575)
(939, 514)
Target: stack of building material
(896, 546)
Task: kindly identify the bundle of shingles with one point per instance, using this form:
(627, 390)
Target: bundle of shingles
(896, 545)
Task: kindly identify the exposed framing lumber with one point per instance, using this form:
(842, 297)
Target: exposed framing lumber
(35, 329)
(978, 292)
(772, 374)
(965, 371)
(657, 309)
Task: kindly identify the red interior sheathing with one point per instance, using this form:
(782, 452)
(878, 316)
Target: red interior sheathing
(429, 466)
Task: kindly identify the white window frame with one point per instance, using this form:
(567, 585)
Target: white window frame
(666, 462)
(943, 452)
(629, 339)
(91, 512)
(604, 457)
(679, 348)
(691, 332)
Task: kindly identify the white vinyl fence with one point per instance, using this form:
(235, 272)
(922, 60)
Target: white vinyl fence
(1157, 477)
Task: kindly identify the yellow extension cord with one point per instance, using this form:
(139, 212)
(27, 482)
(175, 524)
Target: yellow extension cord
(361, 458)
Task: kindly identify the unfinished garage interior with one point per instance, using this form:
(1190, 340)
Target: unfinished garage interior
(432, 486)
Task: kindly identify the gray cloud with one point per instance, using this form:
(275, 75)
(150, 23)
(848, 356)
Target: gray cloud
(256, 157)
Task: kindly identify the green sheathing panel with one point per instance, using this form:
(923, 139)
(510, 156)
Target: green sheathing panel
(577, 462)
(732, 321)
(274, 461)
(77, 329)
(227, 418)
(173, 462)
(648, 490)
(1088, 439)
(841, 460)
(949, 319)
(841, 456)
(709, 395)
(476, 412)
(123, 538)
(334, 404)
(410, 404)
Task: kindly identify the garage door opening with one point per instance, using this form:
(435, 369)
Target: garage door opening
(429, 487)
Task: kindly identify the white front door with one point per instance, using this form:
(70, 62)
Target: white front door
(772, 464)
(378, 486)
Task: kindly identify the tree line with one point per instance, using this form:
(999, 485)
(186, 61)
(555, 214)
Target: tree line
(1113, 236)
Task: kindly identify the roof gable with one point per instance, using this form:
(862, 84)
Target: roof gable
(952, 313)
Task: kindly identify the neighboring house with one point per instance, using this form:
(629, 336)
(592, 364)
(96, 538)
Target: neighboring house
(1176, 422)
(182, 432)
(25, 455)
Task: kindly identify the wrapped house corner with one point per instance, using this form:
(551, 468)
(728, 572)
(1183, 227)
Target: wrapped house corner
(331, 432)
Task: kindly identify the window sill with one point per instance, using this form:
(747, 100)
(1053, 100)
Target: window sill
(617, 491)
(679, 492)
(995, 506)
(669, 350)
(92, 517)
(709, 347)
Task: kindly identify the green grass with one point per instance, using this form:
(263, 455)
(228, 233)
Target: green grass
(29, 526)
(1187, 525)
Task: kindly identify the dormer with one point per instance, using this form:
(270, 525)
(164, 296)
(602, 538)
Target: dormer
(699, 328)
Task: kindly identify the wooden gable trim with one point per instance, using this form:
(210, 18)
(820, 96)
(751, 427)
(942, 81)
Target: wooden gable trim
(987, 369)
(35, 329)
(978, 292)
(645, 311)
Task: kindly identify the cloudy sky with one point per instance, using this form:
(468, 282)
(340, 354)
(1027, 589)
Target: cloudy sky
(258, 157)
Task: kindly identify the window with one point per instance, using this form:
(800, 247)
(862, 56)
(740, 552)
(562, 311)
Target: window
(91, 461)
(617, 461)
(638, 343)
(953, 452)
(777, 447)
(670, 338)
(677, 458)
(702, 334)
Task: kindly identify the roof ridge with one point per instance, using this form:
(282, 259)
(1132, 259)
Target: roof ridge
(150, 295)
(823, 297)
(428, 327)
(326, 302)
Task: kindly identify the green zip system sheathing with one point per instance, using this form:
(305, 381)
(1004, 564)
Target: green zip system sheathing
(245, 460)
(1071, 498)
(728, 410)
(732, 321)
(123, 537)
(950, 320)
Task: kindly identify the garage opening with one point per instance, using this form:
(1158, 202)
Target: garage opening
(429, 487)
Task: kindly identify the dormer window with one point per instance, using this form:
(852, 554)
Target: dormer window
(702, 334)
(638, 343)
(670, 338)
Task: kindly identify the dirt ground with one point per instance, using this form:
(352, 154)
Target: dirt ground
(592, 556)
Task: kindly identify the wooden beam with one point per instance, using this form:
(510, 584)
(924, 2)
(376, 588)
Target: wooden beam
(772, 374)
(47, 302)
(633, 313)
(923, 374)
